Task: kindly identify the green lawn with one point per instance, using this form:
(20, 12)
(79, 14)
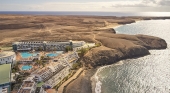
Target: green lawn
(40, 84)
(5, 73)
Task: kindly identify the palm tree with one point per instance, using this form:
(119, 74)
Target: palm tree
(42, 57)
(68, 48)
(39, 62)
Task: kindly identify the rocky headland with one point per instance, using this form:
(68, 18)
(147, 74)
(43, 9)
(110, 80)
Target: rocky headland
(116, 47)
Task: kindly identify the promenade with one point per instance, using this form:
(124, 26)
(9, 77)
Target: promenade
(61, 88)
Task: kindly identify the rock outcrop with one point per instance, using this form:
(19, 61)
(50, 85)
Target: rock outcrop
(117, 47)
(153, 42)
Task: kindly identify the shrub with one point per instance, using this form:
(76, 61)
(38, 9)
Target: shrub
(83, 51)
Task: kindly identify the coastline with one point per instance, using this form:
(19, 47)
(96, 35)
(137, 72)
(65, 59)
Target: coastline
(94, 71)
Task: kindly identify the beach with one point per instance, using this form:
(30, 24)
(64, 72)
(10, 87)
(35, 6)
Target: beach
(82, 84)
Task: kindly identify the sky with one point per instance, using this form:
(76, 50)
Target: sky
(86, 5)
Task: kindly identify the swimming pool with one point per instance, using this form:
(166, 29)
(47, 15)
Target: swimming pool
(27, 54)
(54, 54)
(26, 67)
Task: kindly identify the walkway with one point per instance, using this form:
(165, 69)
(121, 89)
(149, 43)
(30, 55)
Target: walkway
(61, 88)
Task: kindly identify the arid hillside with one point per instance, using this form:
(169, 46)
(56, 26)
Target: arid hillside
(58, 28)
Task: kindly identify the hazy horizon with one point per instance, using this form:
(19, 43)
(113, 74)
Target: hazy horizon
(86, 5)
(90, 13)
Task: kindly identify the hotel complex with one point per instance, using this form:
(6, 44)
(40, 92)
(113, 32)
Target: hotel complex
(51, 75)
(58, 63)
(45, 45)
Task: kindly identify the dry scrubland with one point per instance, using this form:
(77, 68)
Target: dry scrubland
(114, 47)
(58, 28)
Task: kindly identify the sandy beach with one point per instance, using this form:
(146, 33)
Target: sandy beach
(82, 84)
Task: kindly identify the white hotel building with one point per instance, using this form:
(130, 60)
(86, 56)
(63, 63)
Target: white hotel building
(7, 57)
(30, 86)
(50, 75)
(45, 45)
(53, 74)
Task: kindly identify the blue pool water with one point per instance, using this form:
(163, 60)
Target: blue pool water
(54, 54)
(26, 67)
(27, 54)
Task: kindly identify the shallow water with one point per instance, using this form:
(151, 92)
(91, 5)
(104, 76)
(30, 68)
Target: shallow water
(149, 74)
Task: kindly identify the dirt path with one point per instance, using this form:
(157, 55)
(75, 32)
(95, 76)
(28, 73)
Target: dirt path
(94, 38)
(49, 30)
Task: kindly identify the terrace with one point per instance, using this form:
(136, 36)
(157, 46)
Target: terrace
(46, 73)
(24, 91)
(28, 86)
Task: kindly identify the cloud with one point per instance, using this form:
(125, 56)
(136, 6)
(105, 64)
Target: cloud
(164, 2)
(142, 3)
(115, 6)
(63, 6)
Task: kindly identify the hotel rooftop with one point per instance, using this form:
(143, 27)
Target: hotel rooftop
(28, 86)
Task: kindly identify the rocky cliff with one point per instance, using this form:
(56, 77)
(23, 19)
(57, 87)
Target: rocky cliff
(119, 46)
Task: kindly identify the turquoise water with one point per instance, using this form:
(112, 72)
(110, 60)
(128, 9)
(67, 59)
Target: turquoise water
(27, 54)
(148, 74)
(54, 54)
(26, 67)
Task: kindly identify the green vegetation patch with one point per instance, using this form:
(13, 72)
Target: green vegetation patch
(5, 73)
(40, 84)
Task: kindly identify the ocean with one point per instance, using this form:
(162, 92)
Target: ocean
(148, 74)
(86, 13)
